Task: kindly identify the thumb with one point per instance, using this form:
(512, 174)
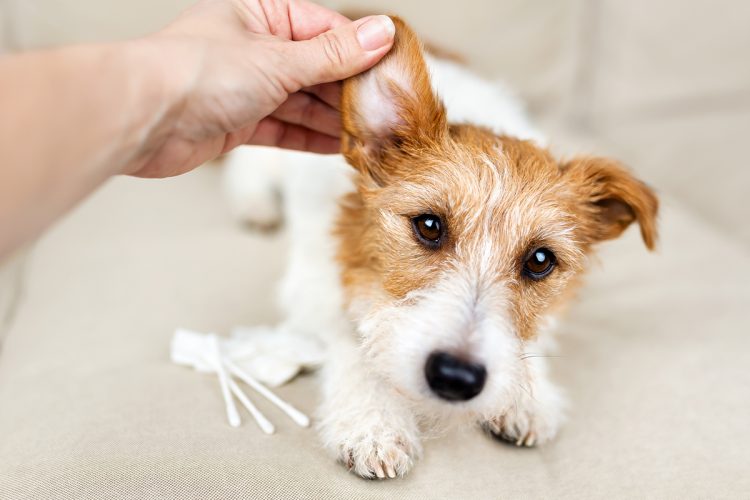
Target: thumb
(342, 52)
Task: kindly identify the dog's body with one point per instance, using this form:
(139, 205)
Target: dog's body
(435, 271)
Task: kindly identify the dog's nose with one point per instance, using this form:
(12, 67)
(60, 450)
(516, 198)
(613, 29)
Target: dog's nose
(452, 378)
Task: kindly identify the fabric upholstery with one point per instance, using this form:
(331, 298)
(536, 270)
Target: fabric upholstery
(653, 356)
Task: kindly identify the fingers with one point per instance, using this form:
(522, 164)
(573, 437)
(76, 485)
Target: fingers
(329, 93)
(310, 112)
(273, 132)
(309, 20)
(340, 53)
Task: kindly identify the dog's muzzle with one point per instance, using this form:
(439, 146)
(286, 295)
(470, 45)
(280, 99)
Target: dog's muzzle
(454, 379)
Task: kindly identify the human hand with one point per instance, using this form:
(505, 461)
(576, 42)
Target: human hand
(253, 72)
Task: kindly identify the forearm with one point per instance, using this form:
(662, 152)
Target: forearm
(70, 119)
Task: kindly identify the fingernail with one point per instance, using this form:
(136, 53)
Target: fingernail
(376, 32)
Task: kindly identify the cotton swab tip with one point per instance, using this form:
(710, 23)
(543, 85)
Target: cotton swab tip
(267, 427)
(234, 419)
(299, 418)
(264, 424)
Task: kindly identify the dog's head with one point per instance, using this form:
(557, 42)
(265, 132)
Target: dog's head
(459, 244)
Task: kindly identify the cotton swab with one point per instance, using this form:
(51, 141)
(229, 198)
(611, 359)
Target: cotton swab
(297, 416)
(216, 359)
(264, 424)
(206, 353)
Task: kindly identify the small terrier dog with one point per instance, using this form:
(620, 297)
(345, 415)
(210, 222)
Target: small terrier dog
(434, 269)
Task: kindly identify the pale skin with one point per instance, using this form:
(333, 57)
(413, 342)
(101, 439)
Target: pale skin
(223, 74)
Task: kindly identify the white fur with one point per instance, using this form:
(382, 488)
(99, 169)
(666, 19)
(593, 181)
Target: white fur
(252, 178)
(376, 404)
(377, 108)
(470, 99)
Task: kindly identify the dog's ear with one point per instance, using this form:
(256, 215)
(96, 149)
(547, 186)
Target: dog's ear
(391, 109)
(610, 199)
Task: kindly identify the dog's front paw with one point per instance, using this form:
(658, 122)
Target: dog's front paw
(380, 453)
(530, 420)
(522, 428)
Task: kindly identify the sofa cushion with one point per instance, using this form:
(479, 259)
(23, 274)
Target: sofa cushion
(652, 57)
(668, 83)
(654, 357)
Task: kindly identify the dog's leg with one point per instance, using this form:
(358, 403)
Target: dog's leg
(310, 295)
(252, 180)
(360, 419)
(363, 421)
(535, 411)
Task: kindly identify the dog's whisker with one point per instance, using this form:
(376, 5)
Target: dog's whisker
(527, 356)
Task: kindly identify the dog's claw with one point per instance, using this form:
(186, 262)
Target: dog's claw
(530, 439)
(379, 470)
(390, 471)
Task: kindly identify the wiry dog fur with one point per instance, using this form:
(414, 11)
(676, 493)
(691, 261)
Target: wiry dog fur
(360, 278)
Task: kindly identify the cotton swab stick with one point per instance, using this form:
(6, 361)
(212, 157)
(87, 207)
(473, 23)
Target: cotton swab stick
(216, 359)
(262, 421)
(299, 418)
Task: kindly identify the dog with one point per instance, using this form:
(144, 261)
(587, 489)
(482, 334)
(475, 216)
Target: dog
(435, 259)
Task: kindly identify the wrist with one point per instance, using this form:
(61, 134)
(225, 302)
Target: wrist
(159, 86)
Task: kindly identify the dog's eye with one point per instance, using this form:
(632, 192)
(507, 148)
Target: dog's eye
(429, 229)
(539, 264)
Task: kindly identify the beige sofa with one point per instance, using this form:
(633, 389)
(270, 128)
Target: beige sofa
(655, 356)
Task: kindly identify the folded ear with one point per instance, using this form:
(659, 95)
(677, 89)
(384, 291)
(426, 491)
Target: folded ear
(611, 199)
(391, 108)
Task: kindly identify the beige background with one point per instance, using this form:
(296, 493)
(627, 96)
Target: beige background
(655, 355)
